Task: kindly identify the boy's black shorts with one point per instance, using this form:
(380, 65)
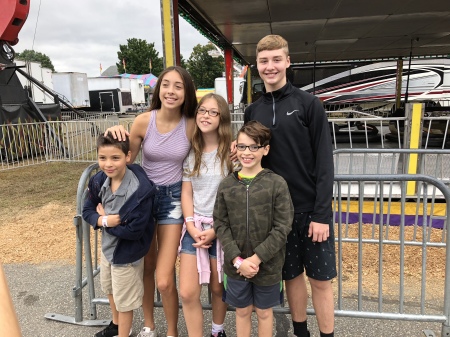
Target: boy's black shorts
(318, 258)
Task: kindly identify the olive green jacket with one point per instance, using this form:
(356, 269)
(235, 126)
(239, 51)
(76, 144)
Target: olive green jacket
(254, 219)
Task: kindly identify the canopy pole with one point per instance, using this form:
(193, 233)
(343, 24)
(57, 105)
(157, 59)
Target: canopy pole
(409, 71)
(167, 32)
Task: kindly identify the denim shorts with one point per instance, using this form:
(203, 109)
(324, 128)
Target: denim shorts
(187, 248)
(167, 204)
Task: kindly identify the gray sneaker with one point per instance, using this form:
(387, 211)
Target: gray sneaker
(147, 332)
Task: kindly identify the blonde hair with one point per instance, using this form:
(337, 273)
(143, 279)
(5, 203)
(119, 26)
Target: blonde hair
(272, 42)
(225, 137)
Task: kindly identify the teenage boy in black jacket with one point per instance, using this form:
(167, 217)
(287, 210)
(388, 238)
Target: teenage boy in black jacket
(300, 152)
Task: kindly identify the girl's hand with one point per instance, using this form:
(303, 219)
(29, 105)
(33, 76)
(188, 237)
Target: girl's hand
(206, 237)
(194, 233)
(202, 243)
(118, 132)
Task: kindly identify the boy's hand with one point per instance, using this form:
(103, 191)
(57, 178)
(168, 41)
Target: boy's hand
(233, 151)
(206, 237)
(113, 220)
(255, 259)
(100, 210)
(318, 231)
(118, 132)
(248, 269)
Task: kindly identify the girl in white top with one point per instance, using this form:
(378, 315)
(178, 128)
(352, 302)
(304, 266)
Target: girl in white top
(207, 164)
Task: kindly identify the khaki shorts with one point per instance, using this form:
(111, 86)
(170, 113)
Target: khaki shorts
(125, 282)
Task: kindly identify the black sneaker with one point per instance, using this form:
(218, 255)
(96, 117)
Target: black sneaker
(220, 334)
(111, 330)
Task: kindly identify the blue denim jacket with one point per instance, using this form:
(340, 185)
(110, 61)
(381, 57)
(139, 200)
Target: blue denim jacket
(135, 231)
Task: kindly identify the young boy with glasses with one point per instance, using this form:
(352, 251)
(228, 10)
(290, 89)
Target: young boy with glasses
(253, 215)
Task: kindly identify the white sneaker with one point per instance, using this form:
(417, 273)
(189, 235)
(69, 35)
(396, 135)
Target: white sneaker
(147, 332)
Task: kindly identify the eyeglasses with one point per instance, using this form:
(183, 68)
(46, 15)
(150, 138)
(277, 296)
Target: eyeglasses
(212, 113)
(253, 147)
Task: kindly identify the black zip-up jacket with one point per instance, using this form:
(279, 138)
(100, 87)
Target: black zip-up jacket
(300, 147)
(254, 219)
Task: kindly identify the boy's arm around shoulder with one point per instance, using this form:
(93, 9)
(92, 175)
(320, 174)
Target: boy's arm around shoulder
(283, 215)
(138, 219)
(222, 226)
(90, 214)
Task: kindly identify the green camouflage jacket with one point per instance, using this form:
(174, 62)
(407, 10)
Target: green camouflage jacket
(254, 219)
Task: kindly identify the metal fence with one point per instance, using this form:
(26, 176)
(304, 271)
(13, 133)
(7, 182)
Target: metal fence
(74, 139)
(29, 144)
(392, 252)
(431, 162)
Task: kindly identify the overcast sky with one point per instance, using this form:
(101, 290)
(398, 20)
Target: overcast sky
(78, 35)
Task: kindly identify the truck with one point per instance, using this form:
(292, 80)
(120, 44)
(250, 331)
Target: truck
(135, 85)
(116, 100)
(220, 88)
(74, 87)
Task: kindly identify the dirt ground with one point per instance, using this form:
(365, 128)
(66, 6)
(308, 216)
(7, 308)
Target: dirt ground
(41, 229)
(36, 217)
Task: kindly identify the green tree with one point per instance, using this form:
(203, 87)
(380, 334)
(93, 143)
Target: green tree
(203, 67)
(137, 55)
(34, 56)
(183, 62)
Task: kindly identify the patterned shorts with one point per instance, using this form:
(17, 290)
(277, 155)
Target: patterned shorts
(317, 258)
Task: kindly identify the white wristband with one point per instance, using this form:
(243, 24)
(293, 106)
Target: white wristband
(105, 221)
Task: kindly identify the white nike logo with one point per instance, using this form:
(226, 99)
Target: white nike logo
(290, 113)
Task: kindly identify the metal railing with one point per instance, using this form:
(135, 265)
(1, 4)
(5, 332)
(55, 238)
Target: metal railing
(374, 220)
(29, 144)
(410, 300)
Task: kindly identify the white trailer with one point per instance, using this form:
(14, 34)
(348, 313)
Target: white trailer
(137, 91)
(104, 82)
(220, 88)
(136, 86)
(42, 75)
(74, 88)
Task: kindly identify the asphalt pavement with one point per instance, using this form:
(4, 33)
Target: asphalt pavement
(46, 288)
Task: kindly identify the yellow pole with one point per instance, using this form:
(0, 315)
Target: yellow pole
(168, 33)
(415, 137)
